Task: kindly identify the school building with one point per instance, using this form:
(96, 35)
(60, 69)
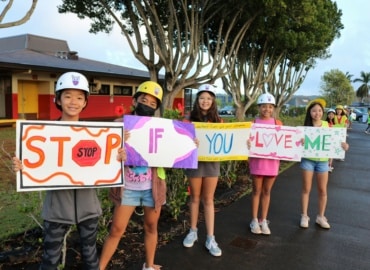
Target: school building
(30, 66)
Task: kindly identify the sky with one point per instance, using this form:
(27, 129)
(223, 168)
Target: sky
(350, 53)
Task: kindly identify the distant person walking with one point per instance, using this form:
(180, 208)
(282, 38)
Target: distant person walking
(368, 123)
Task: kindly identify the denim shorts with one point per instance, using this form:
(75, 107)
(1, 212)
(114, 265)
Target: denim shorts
(314, 166)
(137, 198)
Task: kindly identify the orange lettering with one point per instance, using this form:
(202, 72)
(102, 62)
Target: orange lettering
(60, 141)
(35, 149)
(113, 141)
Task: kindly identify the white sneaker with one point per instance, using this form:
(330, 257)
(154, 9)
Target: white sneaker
(190, 238)
(322, 222)
(255, 227)
(304, 221)
(212, 247)
(147, 268)
(265, 227)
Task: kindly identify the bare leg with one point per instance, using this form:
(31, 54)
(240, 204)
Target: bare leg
(208, 192)
(151, 218)
(268, 182)
(121, 217)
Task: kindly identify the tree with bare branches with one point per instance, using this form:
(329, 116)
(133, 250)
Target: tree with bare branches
(20, 21)
(281, 46)
(169, 36)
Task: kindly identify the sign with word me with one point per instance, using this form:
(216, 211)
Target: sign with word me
(222, 141)
(324, 142)
(159, 142)
(276, 142)
(66, 155)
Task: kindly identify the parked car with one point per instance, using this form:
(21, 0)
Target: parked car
(227, 110)
(361, 114)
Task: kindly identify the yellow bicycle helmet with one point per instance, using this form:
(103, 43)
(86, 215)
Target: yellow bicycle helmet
(150, 88)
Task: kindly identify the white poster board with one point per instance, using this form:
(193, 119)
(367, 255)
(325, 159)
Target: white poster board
(65, 155)
(276, 142)
(160, 142)
(324, 142)
(222, 141)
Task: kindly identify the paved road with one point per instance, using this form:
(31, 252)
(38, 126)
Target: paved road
(345, 246)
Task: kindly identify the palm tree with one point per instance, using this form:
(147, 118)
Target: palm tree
(349, 76)
(363, 90)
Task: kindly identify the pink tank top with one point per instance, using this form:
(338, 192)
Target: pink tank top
(264, 166)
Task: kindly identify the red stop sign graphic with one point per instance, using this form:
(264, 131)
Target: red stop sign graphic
(86, 153)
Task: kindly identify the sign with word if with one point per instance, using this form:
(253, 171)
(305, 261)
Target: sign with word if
(222, 141)
(276, 142)
(159, 142)
(324, 142)
(65, 155)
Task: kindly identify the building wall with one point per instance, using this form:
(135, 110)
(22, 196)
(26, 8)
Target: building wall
(33, 96)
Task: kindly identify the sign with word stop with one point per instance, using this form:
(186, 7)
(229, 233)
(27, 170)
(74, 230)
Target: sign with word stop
(65, 155)
(86, 153)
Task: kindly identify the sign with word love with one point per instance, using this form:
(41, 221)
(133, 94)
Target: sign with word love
(222, 141)
(65, 155)
(159, 142)
(276, 142)
(324, 142)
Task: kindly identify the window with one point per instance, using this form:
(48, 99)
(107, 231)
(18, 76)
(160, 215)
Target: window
(120, 90)
(104, 89)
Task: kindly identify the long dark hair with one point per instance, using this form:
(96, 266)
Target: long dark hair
(308, 119)
(330, 121)
(211, 116)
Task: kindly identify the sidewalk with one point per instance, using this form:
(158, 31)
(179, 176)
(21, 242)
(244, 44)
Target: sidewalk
(345, 246)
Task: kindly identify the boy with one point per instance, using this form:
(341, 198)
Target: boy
(63, 208)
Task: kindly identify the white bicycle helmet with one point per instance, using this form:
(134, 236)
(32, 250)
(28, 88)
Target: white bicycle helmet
(72, 80)
(330, 111)
(266, 98)
(207, 88)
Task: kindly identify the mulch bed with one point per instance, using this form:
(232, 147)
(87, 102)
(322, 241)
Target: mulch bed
(24, 251)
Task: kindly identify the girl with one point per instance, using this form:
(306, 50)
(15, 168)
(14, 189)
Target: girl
(340, 119)
(314, 113)
(203, 181)
(330, 119)
(144, 187)
(263, 171)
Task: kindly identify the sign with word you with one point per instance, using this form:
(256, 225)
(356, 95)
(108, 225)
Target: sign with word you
(324, 142)
(159, 142)
(222, 141)
(65, 155)
(276, 142)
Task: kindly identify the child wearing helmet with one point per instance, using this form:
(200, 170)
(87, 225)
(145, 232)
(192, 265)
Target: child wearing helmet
(63, 208)
(318, 166)
(203, 180)
(330, 115)
(263, 171)
(340, 119)
(139, 188)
